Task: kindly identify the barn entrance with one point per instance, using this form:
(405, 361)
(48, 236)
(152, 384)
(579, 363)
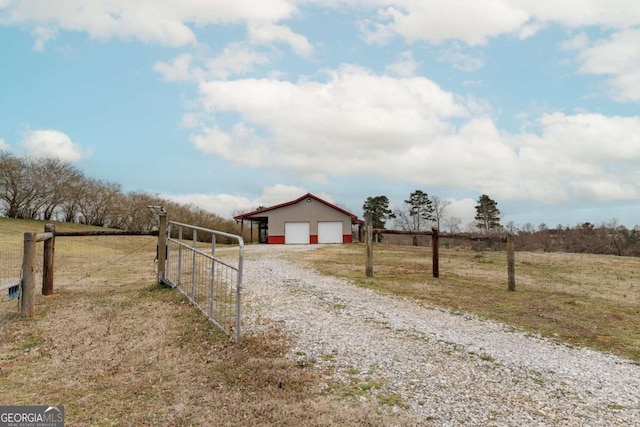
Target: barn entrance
(263, 232)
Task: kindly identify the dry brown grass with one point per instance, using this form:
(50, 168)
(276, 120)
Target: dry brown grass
(586, 300)
(116, 349)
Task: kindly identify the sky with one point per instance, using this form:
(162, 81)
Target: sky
(235, 104)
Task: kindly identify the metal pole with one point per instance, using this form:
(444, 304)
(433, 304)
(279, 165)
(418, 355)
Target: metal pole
(162, 246)
(179, 282)
(239, 289)
(193, 266)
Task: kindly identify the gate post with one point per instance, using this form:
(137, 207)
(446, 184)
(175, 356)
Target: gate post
(162, 246)
(27, 296)
(48, 261)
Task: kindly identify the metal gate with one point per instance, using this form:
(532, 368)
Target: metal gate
(209, 276)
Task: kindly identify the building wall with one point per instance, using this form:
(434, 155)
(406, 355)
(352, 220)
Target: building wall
(305, 211)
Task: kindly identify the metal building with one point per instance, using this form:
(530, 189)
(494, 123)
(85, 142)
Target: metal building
(305, 220)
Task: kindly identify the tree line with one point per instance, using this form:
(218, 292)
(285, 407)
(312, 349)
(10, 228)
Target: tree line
(53, 190)
(420, 212)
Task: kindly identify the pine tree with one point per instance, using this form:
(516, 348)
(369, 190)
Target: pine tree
(378, 208)
(487, 214)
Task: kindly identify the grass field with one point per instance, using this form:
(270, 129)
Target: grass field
(580, 299)
(116, 349)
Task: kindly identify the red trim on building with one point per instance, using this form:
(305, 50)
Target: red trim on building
(346, 238)
(313, 239)
(275, 240)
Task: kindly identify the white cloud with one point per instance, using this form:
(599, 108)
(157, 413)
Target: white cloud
(472, 22)
(4, 145)
(409, 129)
(42, 36)
(582, 13)
(267, 33)
(355, 113)
(475, 22)
(279, 193)
(588, 156)
(179, 69)
(462, 209)
(234, 60)
(224, 205)
(460, 60)
(617, 56)
(406, 66)
(228, 205)
(53, 143)
(164, 22)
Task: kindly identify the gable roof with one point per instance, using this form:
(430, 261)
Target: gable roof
(293, 202)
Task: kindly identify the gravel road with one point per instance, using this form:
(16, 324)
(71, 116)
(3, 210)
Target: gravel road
(448, 368)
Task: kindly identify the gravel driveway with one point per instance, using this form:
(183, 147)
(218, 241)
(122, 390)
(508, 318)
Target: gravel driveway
(449, 368)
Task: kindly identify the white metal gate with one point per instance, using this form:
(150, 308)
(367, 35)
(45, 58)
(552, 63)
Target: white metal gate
(210, 278)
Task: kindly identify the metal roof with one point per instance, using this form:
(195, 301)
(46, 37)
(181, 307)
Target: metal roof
(248, 215)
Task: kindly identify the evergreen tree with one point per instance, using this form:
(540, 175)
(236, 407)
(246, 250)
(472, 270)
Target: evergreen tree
(420, 209)
(487, 214)
(378, 207)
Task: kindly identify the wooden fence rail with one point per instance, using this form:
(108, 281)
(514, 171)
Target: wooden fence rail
(27, 294)
(435, 239)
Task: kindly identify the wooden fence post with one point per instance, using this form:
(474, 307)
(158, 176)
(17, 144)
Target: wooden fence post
(369, 243)
(511, 263)
(48, 261)
(162, 246)
(27, 295)
(435, 245)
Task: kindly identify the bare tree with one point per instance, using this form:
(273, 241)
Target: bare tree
(454, 224)
(131, 211)
(17, 188)
(55, 179)
(96, 202)
(439, 209)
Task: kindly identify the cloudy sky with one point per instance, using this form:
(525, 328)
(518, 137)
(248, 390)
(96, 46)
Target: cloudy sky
(232, 104)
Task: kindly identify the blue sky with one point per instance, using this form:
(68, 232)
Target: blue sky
(235, 104)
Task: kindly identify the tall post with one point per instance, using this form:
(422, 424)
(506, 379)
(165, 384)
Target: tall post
(27, 296)
(435, 245)
(511, 263)
(47, 263)
(162, 246)
(369, 243)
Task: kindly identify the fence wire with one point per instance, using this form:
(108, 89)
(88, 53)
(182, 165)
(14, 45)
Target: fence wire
(10, 271)
(113, 260)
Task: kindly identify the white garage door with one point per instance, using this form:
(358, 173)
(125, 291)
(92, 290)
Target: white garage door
(296, 233)
(330, 232)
